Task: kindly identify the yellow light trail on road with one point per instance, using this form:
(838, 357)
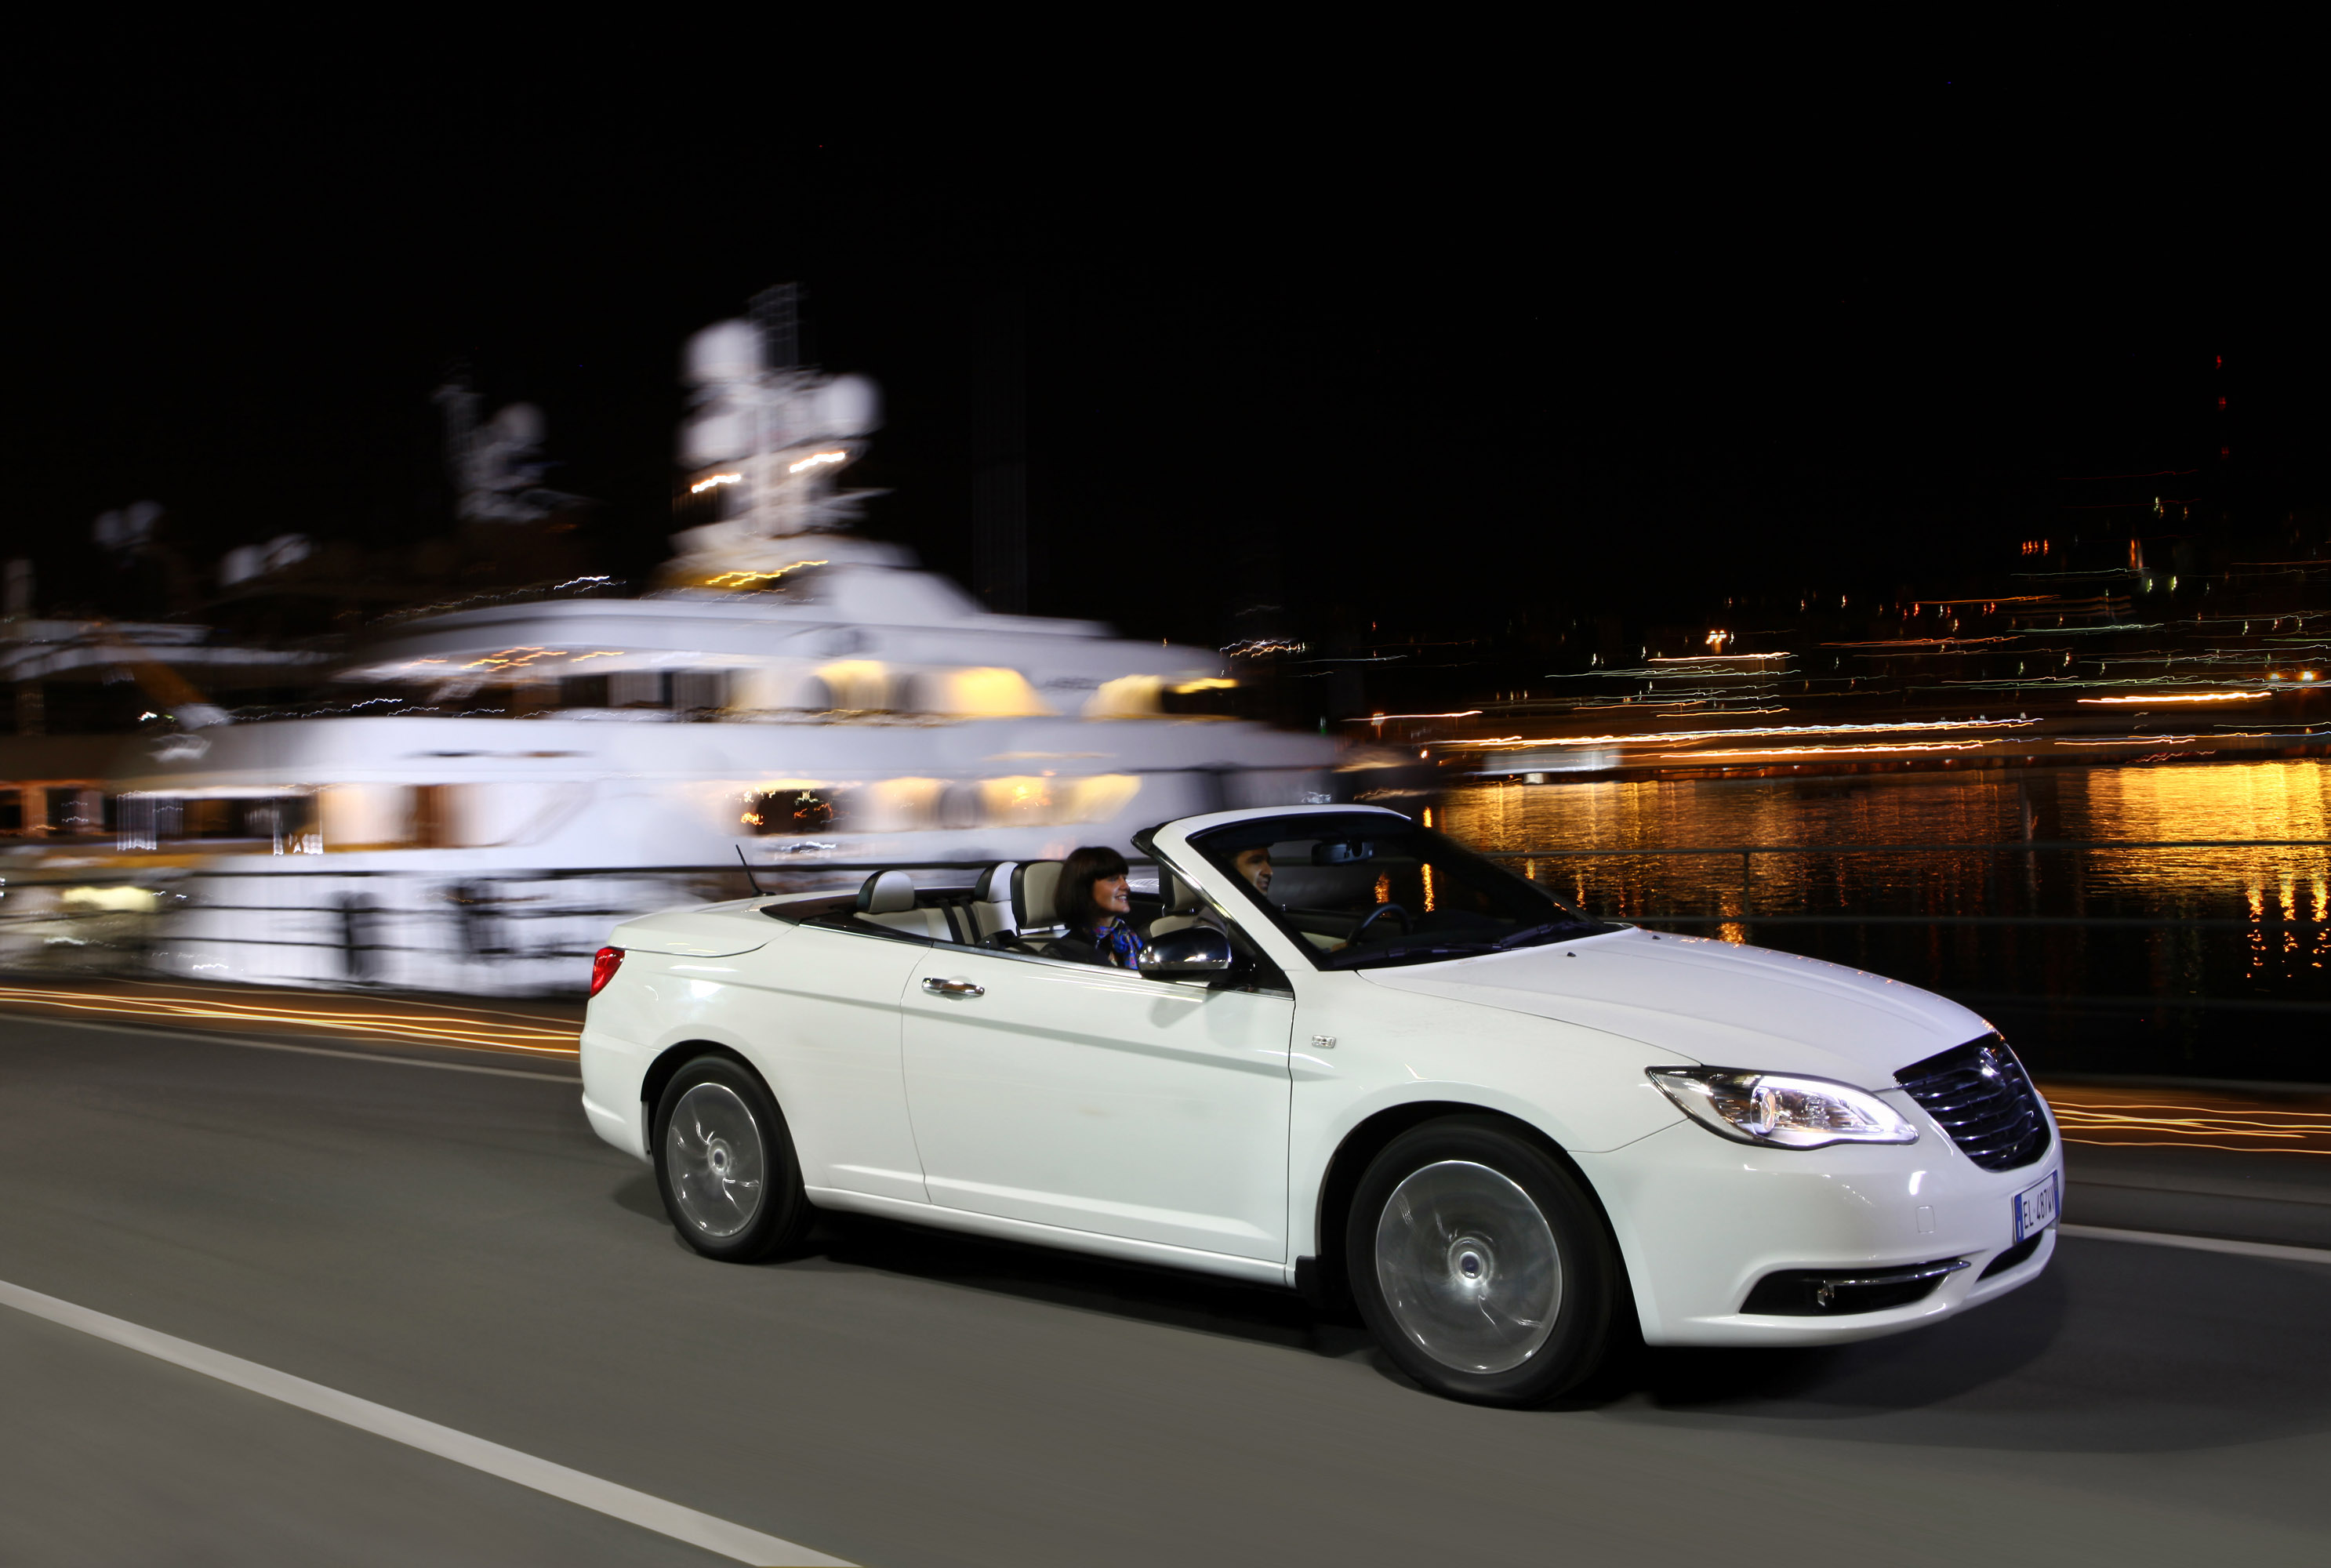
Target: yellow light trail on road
(2255, 1128)
(430, 1028)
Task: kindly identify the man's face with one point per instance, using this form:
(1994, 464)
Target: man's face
(1254, 865)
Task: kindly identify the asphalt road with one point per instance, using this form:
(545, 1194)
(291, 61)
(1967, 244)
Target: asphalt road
(458, 1247)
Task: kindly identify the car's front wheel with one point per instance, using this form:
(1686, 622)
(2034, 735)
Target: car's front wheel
(1481, 1264)
(724, 1162)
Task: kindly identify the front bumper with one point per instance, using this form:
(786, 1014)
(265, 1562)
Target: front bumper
(1701, 1219)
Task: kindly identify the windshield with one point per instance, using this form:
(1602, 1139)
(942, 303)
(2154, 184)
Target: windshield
(1365, 891)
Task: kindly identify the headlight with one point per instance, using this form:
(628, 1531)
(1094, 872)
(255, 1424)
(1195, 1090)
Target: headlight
(1780, 1111)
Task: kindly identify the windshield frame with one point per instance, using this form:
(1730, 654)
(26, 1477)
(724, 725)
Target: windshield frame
(1214, 847)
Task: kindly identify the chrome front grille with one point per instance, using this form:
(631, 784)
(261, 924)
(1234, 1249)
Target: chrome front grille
(1980, 1095)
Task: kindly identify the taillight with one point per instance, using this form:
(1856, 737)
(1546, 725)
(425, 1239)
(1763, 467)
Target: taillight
(603, 965)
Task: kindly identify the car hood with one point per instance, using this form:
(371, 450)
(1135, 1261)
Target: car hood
(1717, 1002)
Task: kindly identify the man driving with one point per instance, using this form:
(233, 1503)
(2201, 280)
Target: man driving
(1254, 865)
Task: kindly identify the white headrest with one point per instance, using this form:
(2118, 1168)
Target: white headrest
(1034, 885)
(887, 893)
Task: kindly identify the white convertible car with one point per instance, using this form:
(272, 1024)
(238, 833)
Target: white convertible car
(1511, 1133)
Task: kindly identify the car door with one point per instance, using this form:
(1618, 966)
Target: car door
(825, 1010)
(1100, 1100)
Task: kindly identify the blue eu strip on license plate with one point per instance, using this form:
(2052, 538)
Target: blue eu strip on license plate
(2035, 1207)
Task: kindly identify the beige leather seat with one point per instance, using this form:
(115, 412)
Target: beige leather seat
(887, 898)
(1035, 886)
(1183, 907)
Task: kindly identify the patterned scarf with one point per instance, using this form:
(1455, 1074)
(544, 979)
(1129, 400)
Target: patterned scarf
(1118, 942)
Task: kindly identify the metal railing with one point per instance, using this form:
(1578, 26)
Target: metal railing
(468, 913)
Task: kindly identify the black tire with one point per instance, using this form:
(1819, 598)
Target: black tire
(1449, 1267)
(728, 1172)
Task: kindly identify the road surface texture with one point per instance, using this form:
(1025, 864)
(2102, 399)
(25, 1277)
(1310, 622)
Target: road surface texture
(455, 1245)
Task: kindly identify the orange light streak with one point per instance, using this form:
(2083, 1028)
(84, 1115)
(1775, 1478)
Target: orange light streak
(2184, 697)
(2256, 1129)
(431, 1028)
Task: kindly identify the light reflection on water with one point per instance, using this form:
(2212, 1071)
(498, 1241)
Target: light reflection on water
(2270, 945)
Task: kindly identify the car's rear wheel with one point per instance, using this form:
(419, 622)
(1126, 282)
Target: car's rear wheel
(1481, 1264)
(724, 1162)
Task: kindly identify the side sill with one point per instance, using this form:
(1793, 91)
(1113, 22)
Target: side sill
(1255, 1271)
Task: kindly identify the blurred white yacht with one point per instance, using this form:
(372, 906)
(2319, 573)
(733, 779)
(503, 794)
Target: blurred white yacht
(508, 779)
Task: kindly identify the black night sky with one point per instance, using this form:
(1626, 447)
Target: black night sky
(1435, 372)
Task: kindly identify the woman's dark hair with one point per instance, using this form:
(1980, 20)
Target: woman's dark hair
(1073, 898)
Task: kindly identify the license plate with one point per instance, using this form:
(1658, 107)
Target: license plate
(2035, 1207)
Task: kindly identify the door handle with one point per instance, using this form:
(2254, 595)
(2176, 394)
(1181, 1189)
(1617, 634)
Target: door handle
(938, 987)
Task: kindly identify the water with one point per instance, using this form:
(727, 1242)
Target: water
(2192, 962)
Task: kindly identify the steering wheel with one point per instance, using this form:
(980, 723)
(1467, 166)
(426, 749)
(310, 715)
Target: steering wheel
(1375, 914)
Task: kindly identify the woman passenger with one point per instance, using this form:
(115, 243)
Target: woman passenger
(1092, 899)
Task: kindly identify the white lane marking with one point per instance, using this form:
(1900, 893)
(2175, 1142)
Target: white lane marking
(732, 1540)
(205, 1037)
(2201, 1243)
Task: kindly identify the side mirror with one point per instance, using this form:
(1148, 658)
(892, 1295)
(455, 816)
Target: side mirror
(1191, 951)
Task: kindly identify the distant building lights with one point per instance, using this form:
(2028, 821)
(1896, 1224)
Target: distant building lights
(1903, 748)
(1677, 736)
(701, 486)
(816, 458)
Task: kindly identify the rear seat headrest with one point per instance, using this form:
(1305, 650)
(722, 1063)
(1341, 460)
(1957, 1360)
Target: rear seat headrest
(886, 893)
(994, 884)
(1034, 884)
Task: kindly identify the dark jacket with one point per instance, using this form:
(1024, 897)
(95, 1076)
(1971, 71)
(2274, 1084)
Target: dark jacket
(1086, 947)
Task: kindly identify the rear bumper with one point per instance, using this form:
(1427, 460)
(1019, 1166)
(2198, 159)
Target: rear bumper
(612, 1124)
(1700, 1220)
(613, 1069)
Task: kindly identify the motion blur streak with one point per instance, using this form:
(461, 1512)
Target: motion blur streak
(2245, 1127)
(1905, 746)
(485, 1033)
(1672, 736)
(2156, 698)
